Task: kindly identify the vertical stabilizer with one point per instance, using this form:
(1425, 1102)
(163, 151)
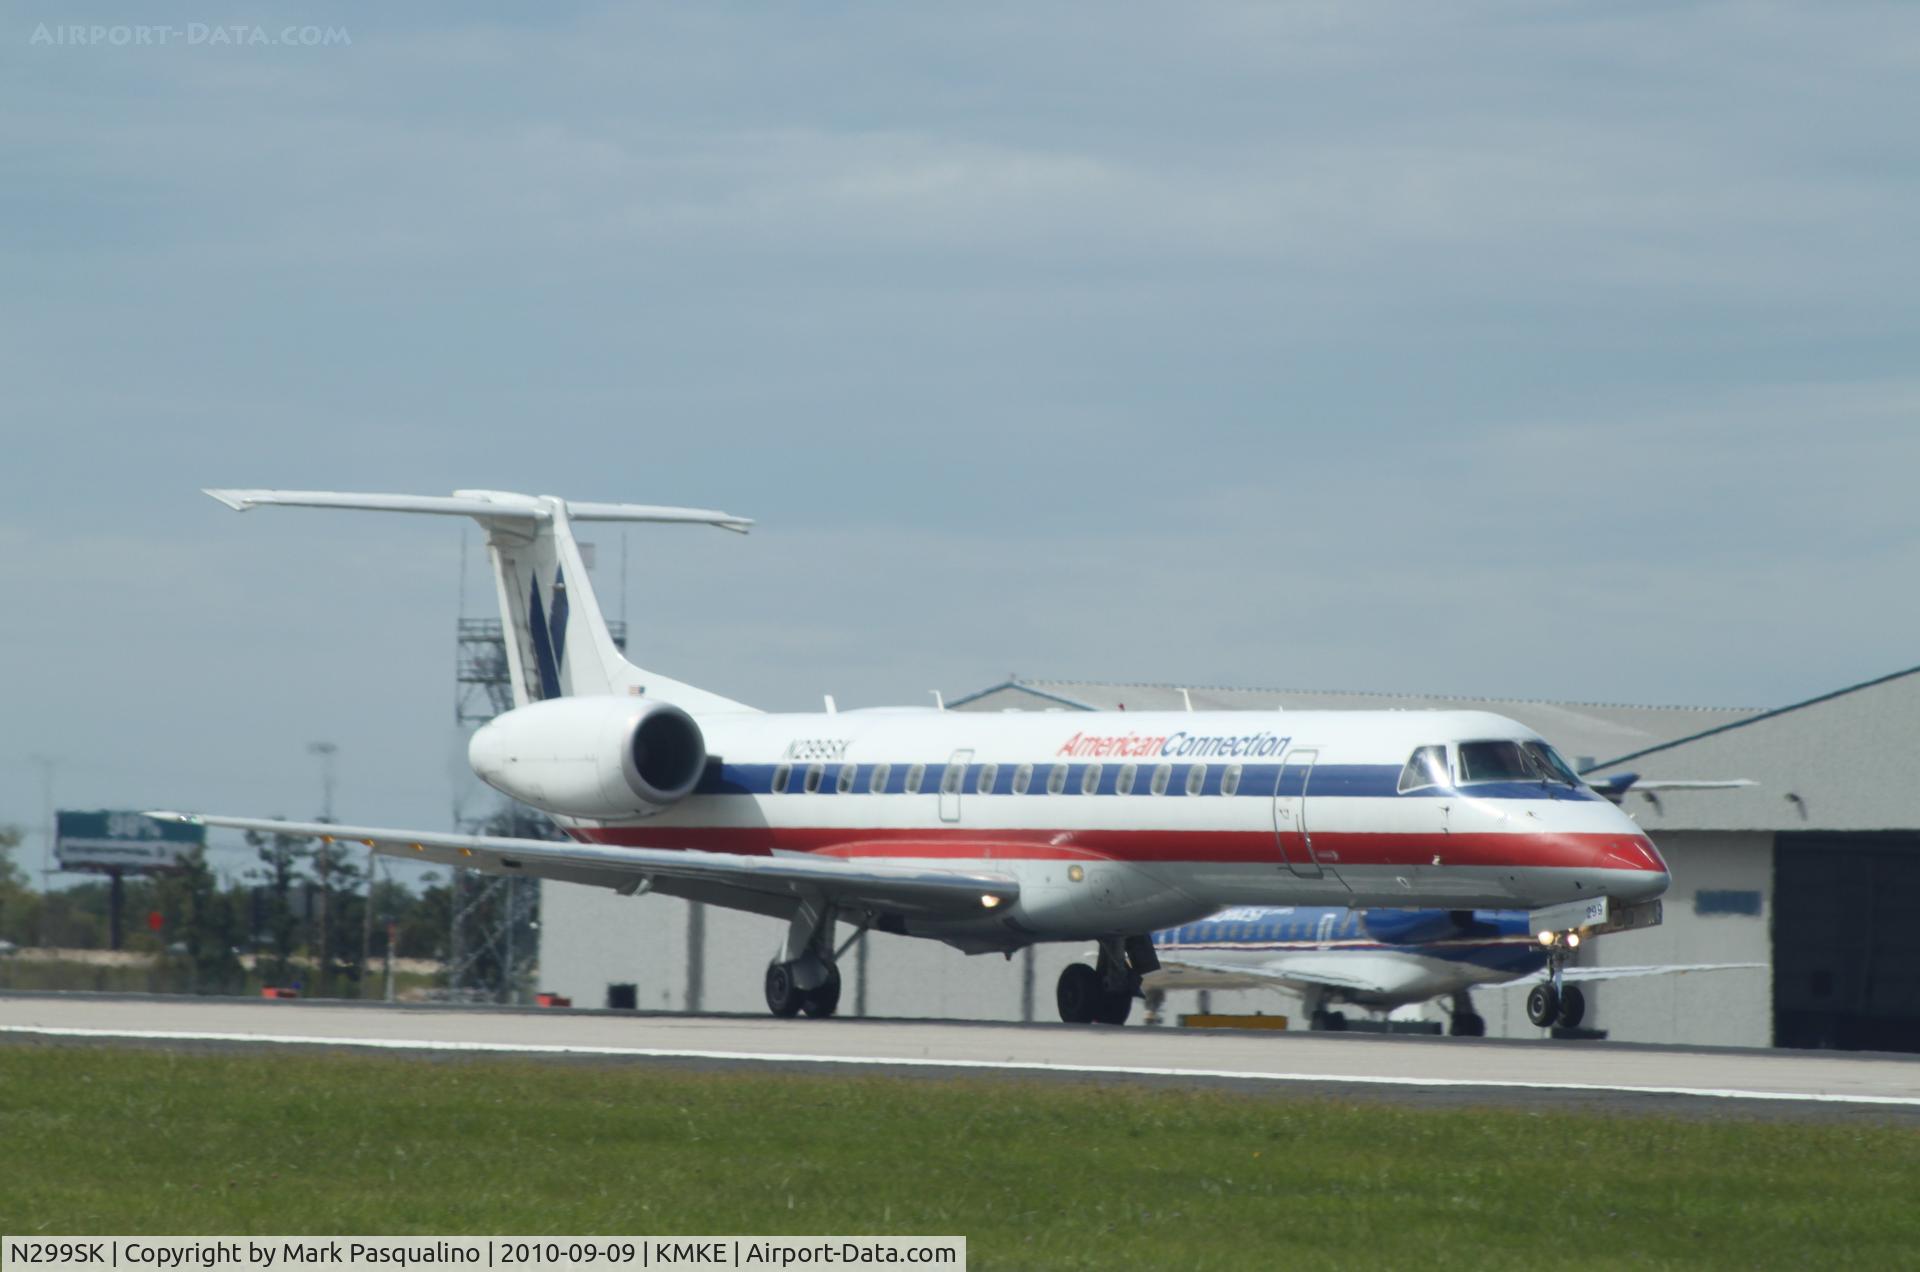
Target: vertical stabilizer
(558, 644)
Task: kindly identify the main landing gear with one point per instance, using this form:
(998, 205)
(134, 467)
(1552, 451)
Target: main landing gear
(1104, 994)
(1553, 1001)
(806, 978)
(786, 998)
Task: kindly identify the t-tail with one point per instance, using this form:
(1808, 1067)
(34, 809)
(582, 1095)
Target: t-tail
(558, 644)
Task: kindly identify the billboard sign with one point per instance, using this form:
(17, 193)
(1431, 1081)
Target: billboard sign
(122, 841)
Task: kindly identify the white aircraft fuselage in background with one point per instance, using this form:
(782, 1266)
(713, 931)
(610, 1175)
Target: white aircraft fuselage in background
(988, 832)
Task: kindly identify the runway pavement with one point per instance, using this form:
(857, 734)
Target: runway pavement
(1425, 1069)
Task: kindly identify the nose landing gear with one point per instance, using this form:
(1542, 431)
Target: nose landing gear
(1554, 1002)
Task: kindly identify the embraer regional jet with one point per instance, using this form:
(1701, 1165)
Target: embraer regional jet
(1382, 959)
(987, 832)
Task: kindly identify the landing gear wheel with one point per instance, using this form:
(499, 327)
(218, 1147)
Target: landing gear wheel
(1573, 1007)
(1468, 1025)
(784, 998)
(1543, 1005)
(824, 999)
(1114, 1008)
(1078, 994)
(1327, 1021)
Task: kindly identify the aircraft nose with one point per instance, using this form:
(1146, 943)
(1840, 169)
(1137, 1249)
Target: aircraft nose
(1639, 872)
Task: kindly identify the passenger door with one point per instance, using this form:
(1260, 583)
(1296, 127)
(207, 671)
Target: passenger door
(952, 783)
(1290, 831)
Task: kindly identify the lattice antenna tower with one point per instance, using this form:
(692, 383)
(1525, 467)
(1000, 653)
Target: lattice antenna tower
(491, 950)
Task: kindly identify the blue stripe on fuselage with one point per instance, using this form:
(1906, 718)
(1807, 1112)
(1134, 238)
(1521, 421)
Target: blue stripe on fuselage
(1257, 781)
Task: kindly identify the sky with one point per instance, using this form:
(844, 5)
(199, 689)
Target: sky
(1521, 349)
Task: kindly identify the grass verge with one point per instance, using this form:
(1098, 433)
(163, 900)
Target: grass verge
(1035, 1175)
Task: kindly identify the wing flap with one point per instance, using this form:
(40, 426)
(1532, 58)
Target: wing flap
(926, 891)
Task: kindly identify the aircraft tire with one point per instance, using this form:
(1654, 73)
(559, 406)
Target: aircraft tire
(1078, 994)
(1543, 1005)
(1573, 1007)
(823, 1000)
(1113, 1009)
(1469, 1025)
(784, 998)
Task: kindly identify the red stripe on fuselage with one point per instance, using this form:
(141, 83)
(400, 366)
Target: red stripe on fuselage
(1333, 848)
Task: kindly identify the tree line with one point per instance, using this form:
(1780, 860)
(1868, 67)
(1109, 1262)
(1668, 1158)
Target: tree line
(299, 916)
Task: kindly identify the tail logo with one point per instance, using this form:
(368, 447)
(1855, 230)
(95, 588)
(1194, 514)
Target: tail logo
(549, 628)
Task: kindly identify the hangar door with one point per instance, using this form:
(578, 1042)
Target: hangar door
(1846, 948)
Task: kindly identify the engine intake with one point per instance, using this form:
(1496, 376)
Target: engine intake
(594, 757)
(665, 754)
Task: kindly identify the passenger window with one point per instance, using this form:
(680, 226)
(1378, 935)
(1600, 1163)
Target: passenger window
(951, 779)
(1196, 779)
(1022, 779)
(1123, 784)
(984, 786)
(814, 773)
(1090, 780)
(780, 776)
(1230, 780)
(1161, 776)
(915, 776)
(1057, 779)
(878, 784)
(1426, 768)
(847, 773)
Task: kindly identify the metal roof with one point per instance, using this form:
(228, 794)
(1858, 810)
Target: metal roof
(1845, 760)
(1583, 731)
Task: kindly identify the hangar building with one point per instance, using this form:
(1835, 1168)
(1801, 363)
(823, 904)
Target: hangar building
(1804, 873)
(1821, 857)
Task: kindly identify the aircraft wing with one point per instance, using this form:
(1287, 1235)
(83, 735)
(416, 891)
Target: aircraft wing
(848, 883)
(1617, 786)
(1193, 971)
(1659, 969)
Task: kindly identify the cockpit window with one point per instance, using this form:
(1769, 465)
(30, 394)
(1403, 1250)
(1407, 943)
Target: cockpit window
(1552, 767)
(1509, 761)
(1425, 768)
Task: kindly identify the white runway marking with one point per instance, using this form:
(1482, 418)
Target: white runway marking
(1038, 1066)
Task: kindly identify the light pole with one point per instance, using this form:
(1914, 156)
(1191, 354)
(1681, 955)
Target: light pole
(46, 764)
(322, 857)
(326, 751)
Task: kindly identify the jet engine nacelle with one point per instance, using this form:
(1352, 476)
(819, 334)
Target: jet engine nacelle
(596, 757)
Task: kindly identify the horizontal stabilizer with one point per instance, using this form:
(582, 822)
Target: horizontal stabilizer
(491, 504)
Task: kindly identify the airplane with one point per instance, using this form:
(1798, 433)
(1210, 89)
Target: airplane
(1382, 960)
(987, 832)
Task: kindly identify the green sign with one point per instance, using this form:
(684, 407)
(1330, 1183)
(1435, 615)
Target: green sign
(123, 841)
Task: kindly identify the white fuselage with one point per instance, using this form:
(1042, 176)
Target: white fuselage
(1121, 822)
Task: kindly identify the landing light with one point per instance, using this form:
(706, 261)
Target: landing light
(1546, 938)
(989, 901)
(1573, 940)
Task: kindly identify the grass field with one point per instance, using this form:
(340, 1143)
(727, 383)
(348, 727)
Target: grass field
(1043, 1175)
